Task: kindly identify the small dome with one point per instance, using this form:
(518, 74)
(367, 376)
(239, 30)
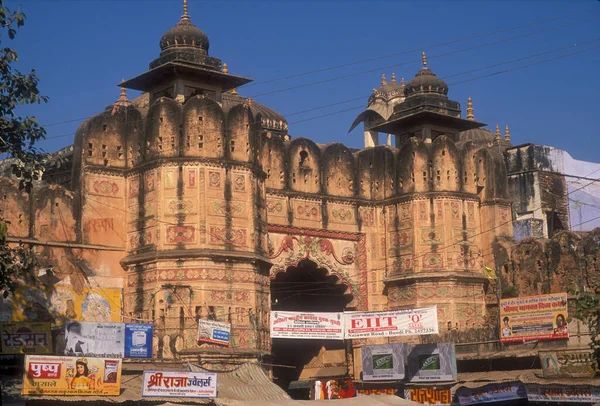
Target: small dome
(387, 91)
(479, 136)
(425, 81)
(184, 34)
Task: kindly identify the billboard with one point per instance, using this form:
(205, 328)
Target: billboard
(383, 362)
(138, 340)
(213, 332)
(25, 338)
(178, 384)
(95, 339)
(542, 317)
(328, 326)
(567, 363)
(495, 392)
(429, 396)
(562, 393)
(431, 362)
(407, 322)
(47, 375)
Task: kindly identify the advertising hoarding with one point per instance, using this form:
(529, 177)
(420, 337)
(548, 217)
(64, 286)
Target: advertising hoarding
(138, 340)
(329, 326)
(213, 332)
(25, 338)
(83, 376)
(567, 363)
(496, 392)
(92, 339)
(562, 393)
(542, 317)
(407, 322)
(431, 362)
(383, 362)
(429, 396)
(179, 384)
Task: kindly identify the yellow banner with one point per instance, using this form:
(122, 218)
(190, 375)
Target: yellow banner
(62, 302)
(46, 375)
(542, 317)
(25, 338)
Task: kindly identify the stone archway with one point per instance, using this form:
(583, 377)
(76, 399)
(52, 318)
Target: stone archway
(305, 286)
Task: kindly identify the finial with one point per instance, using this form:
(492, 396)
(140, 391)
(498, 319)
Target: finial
(497, 138)
(185, 10)
(393, 77)
(383, 81)
(225, 68)
(402, 82)
(249, 102)
(234, 91)
(123, 96)
(424, 58)
(506, 134)
(470, 115)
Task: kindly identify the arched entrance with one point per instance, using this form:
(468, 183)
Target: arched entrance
(305, 287)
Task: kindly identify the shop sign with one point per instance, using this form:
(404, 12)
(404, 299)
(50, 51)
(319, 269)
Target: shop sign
(407, 322)
(48, 375)
(562, 393)
(92, 339)
(179, 384)
(542, 317)
(25, 338)
(138, 340)
(570, 363)
(431, 362)
(328, 326)
(369, 392)
(429, 396)
(213, 332)
(383, 362)
(499, 392)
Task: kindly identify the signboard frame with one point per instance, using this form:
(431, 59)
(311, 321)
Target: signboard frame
(213, 332)
(392, 354)
(176, 381)
(138, 340)
(36, 340)
(82, 338)
(431, 362)
(307, 325)
(408, 322)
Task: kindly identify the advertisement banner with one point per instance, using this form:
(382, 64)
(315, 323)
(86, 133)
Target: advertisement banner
(25, 338)
(95, 339)
(407, 322)
(47, 375)
(431, 362)
(213, 332)
(429, 396)
(497, 392)
(542, 317)
(138, 340)
(567, 363)
(562, 393)
(178, 384)
(383, 362)
(329, 326)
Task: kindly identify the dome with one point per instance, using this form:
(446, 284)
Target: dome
(184, 34)
(479, 136)
(425, 81)
(387, 91)
(270, 118)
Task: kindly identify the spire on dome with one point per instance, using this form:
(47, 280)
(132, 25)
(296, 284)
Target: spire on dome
(393, 77)
(185, 15)
(383, 80)
(470, 109)
(497, 135)
(225, 68)
(424, 58)
(506, 134)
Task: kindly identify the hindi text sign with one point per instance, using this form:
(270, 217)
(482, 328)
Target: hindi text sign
(407, 322)
(25, 338)
(48, 375)
(542, 317)
(92, 339)
(213, 332)
(328, 326)
(138, 340)
(179, 384)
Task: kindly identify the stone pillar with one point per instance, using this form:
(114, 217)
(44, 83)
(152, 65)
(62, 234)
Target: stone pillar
(371, 138)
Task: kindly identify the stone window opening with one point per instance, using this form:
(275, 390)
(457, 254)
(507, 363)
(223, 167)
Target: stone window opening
(181, 318)
(281, 176)
(212, 315)
(161, 119)
(443, 152)
(90, 149)
(104, 127)
(106, 162)
(449, 326)
(268, 174)
(401, 182)
(200, 141)
(327, 181)
(439, 176)
(199, 118)
(120, 152)
(303, 159)
(103, 151)
(293, 177)
(232, 145)
(412, 177)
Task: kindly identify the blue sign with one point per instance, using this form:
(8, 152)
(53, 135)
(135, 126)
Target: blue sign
(138, 340)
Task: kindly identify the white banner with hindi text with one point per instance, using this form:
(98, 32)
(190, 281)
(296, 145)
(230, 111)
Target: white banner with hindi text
(407, 322)
(304, 325)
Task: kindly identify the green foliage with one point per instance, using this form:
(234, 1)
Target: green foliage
(18, 134)
(586, 306)
(17, 138)
(510, 291)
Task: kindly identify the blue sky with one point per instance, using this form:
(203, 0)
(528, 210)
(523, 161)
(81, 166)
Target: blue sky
(82, 49)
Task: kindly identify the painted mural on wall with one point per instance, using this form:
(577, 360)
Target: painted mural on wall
(62, 303)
